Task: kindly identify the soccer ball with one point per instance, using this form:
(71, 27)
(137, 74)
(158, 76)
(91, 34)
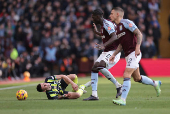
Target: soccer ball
(21, 95)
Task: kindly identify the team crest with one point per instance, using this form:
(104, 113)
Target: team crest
(120, 27)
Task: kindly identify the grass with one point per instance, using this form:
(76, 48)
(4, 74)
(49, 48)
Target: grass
(141, 100)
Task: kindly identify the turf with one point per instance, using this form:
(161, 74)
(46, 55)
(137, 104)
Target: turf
(141, 100)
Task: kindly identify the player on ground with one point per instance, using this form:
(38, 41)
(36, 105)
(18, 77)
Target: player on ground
(102, 64)
(55, 86)
(130, 39)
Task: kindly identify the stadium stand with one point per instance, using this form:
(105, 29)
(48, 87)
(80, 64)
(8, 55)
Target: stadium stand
(42, 35)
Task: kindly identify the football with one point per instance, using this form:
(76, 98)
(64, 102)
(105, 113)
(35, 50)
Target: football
(21, 95)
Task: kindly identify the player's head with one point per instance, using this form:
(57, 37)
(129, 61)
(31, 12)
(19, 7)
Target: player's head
(116, 14)
(42, 87)
(97, 15)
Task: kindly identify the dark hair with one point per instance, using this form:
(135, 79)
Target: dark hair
(98, 11)
(118, 9)
(39, 88)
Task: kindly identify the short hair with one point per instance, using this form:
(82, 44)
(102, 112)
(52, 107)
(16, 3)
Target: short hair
(118, 9)
(98, 11)
(39, 88)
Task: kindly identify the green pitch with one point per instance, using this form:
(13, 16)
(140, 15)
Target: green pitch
(141, 100)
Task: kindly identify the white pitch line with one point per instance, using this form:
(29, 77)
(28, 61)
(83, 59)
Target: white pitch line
(17, 86)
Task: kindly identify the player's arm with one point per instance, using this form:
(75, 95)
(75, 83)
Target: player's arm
(67, 80)
(96, 31)
(111, 40)
(138, 34)
(110, 28)
(119, 49)
(134, 29)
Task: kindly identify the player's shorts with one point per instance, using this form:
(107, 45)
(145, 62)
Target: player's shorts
(132, 61)
(63, 85)
(105, 57)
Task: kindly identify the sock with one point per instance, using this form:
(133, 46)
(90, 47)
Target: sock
(147, 81)
(94, 81)
(80, 91)
(125, 88)
(75, 81)
(110, 77)
(87, 84)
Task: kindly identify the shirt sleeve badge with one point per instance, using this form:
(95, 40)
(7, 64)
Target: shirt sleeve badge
(130, 25)
(109, 28)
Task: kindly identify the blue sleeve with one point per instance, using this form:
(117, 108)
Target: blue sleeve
(130, 25)
(109, 27)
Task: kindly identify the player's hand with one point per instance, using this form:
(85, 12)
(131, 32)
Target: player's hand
(137, 51)
(75, 87)
(99, 47)
(111, 59)
(63, 96)
(95, 28)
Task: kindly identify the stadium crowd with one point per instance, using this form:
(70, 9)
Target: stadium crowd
(36, 35)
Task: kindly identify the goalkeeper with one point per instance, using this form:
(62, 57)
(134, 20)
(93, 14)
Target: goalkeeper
(55, 86)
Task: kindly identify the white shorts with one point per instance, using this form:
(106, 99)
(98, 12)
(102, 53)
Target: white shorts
(132, 61)
(105, 57)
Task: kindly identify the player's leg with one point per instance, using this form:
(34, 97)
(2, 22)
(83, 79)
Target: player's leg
(69, 95)
(105, 65)
(83, 86)
(79, 92)
(94, 82)
(146, 80)
(74, 78)
(109, 76)
(131, 65)
(125, 87)
(72, 95)
(141, 78)
(94, 79)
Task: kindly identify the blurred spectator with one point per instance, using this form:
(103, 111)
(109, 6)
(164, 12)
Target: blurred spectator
(50, 57)
(38, 69)
(9, 69)
(20, 35)
(2, 30)
(150, 48)
(68, 65)
(153, 5)
(31, 26)
(156, 36)
(36, 36)
(18, 69)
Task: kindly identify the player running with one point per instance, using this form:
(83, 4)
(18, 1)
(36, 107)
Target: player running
(55, 86)
(130, 39)
(102, 64)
